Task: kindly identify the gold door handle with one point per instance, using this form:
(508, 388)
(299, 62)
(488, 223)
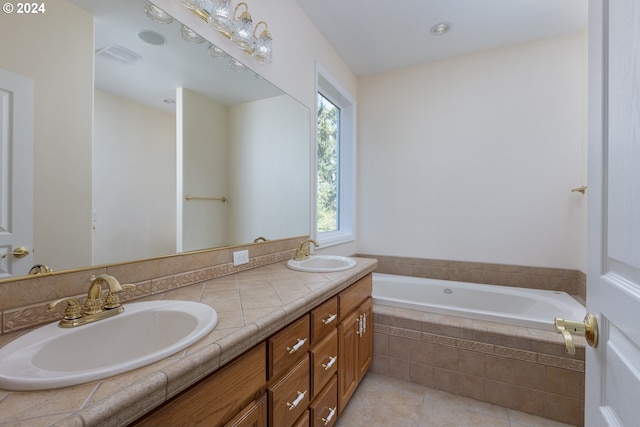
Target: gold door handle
(588, 329)
(19, 252)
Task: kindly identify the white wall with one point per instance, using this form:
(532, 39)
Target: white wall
(127, 153)
(266, 175)
(63, 124)
(473, 158)
(204, 148)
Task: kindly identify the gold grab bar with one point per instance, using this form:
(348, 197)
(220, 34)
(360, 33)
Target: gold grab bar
(190, 197)
(581, 189)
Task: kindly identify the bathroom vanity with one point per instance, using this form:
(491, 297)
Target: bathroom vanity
(302, 375)
(289, 349)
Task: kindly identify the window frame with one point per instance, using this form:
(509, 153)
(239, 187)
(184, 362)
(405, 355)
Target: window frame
(327, 87)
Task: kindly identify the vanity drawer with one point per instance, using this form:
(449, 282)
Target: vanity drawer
(324, 318)
(350, 298)
(324, 409)
(289, 397)
(324, 361)
(303, 421)
(287, 346)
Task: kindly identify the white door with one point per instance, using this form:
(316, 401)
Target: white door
(16, 173)
(612, 395)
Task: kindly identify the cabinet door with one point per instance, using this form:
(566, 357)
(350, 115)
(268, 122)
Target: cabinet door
(348, 341)
(254, 415)
(217, 398)
(365, 340)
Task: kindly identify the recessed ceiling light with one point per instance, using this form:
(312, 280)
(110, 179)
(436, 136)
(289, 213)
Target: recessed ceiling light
(151, 37)
(440, 28)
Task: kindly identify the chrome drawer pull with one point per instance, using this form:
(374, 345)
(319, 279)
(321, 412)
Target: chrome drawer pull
(297, 401)
(330, 319)
(295, 348)
(332, 412)
(332, 360)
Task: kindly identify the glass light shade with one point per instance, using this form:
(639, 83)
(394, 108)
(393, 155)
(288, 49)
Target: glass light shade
(156, 14)
(189, 35)
(216, 52)
(263, 50)
(193, 4)
(242, 36)
(236, 65)
(221, 17)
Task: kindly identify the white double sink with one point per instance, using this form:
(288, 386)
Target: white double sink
(52, 357)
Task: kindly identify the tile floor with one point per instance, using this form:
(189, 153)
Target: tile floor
(387, 402)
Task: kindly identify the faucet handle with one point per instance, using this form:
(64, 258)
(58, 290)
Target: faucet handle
(72, 311)
(113, 298)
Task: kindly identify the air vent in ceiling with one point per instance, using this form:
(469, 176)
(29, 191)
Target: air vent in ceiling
(118, 53)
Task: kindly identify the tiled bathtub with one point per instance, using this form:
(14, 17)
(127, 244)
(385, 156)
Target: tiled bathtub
(519, 368)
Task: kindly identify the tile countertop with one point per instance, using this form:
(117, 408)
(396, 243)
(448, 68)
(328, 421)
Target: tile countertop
(251, 306)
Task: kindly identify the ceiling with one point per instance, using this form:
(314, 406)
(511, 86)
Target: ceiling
(375, 36)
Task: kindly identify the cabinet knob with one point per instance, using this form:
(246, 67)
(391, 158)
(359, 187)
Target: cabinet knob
(292, 405)
(297, 346)
(332, 412)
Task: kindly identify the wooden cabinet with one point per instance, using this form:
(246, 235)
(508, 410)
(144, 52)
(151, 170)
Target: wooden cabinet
(254, 415)
(287, 346)
(217, 398)
(289, 396)
(355, 338)
(324, 409)
(303, 375)
(324, 361)
(324, 319)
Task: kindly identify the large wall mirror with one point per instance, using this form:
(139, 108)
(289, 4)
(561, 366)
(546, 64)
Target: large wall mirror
(146, 143)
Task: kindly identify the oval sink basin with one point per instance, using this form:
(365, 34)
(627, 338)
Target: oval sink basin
(322, 263)
(52, 357)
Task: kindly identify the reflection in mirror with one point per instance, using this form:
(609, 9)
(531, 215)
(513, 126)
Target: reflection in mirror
(114, 163)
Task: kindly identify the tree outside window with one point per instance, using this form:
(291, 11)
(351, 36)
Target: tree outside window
(328, 165)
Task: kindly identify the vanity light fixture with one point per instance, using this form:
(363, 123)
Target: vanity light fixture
(189, 35)
(263, 45)
(193, 4)
(243, 31)
(221, 17)
(440, 28)
(216, 52)
(156, 14)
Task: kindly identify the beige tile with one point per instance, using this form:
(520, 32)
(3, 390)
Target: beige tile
(380, 344)
(564, 409)
(529, 401)
(530, 375)
(472, 386)
(445, 357)
(500, 393)
(398, 369)
(472, 363)
(564, 382)
(500, 369)
(421, 352)
(446, 380)
(399, 348)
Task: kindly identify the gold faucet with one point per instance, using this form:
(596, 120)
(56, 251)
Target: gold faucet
(302, 252)
(94, 308)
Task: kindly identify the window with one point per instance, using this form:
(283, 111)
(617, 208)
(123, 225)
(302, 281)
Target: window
(335, 171)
